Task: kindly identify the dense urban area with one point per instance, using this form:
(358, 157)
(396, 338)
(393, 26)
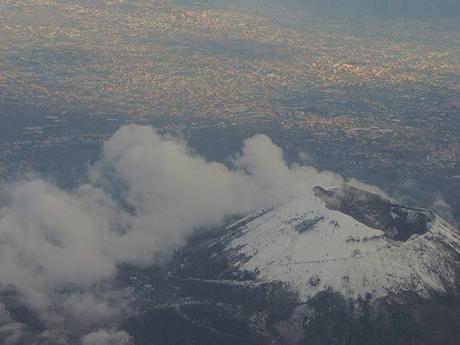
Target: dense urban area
(365, 97)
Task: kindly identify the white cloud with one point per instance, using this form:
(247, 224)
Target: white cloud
(52, 240)
(440, 206)
(145, 196)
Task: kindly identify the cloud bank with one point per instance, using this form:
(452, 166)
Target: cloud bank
(148, 192)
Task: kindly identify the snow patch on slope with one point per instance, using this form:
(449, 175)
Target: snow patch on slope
(312, 248)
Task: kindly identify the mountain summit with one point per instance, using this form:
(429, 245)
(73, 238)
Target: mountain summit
(341, 265)
(352, 241)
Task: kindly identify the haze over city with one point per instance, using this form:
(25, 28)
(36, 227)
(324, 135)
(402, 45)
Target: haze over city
(229, 172)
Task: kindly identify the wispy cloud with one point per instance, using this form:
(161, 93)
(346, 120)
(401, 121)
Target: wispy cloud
(143, 198)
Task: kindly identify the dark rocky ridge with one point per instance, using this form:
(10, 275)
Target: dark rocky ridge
(397, 221)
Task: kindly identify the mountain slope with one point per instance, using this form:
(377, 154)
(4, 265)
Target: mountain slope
(351, 247)
(331, 266)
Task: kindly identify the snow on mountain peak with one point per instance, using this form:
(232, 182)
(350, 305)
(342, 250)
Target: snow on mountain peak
(352, 241)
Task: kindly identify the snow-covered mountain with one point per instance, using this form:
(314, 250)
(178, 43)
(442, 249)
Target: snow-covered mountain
(331, 266)
(349, 240)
